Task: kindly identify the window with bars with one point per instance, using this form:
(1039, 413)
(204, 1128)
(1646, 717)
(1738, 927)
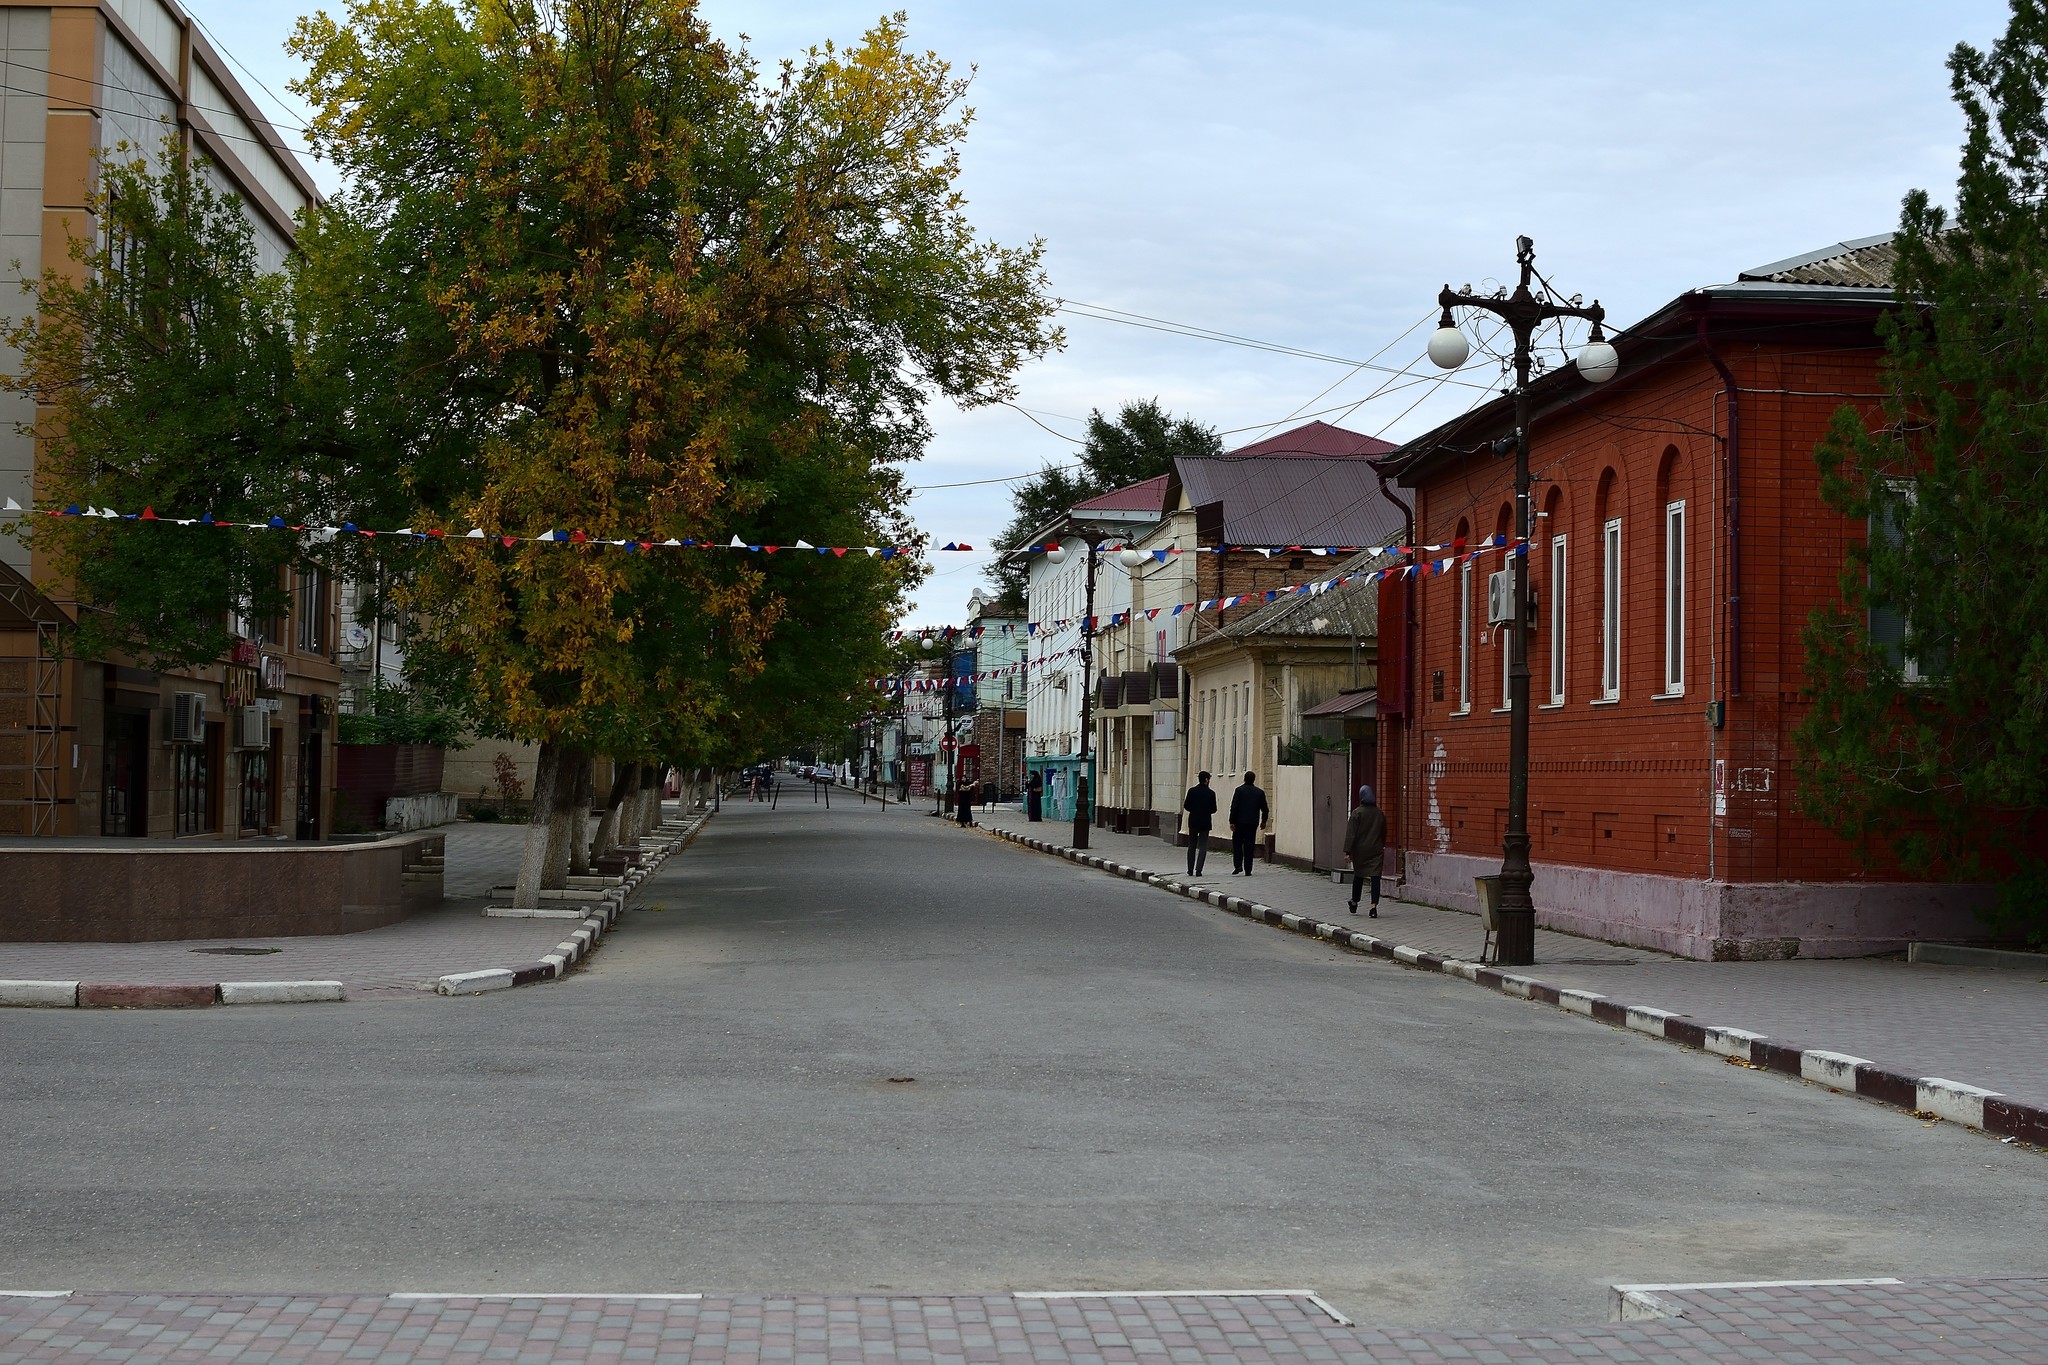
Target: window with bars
(312, 612)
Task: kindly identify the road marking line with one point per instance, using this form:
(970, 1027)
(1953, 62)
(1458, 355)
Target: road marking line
(36, 1293)
(1756, 1284)
(1317, 1299)
(594, 1294)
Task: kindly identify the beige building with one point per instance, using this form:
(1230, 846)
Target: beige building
(240, 748)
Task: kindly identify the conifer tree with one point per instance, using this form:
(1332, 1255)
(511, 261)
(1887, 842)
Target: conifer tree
(1929, 729)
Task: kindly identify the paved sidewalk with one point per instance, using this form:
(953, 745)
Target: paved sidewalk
(1963, 1320)
(1985, 1027)
(408, 956)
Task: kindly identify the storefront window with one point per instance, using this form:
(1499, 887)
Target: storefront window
(192, 785)
(256, 790)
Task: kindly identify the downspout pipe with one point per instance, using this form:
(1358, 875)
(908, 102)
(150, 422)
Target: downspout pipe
(1731, 392)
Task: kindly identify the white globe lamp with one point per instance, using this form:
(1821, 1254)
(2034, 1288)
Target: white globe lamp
(1055, 554)
(1130, 558)
(1448, 348)
(1598, 361)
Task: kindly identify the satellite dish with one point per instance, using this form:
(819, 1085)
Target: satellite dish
(356, 637)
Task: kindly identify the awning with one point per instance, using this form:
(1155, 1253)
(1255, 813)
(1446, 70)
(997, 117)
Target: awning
(1364, 703)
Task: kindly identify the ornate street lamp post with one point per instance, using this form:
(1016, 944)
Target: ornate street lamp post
(1523, 311)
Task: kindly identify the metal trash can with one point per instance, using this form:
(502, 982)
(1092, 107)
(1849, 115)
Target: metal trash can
(1489, 899)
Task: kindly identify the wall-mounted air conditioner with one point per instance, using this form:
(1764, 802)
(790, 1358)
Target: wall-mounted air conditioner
(188, 717)
(1500, 597)
(252, 728)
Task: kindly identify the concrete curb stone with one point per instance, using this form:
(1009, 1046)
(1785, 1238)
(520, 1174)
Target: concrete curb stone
(1927, 1096)
(600, 915)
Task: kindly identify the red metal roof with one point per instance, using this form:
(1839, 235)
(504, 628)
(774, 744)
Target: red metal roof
(1316, 438)
(1148, 497)
(1346, 704)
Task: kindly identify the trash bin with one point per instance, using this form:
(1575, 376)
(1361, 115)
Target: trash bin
(1489, 899)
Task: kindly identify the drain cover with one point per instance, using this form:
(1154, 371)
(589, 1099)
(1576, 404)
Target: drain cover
(237, 952)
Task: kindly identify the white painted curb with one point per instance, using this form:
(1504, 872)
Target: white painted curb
(49, 994)
(474, 983)
(279, 992)
(1954, 1101)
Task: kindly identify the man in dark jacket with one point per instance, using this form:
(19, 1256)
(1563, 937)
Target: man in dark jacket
(1248, 815)
(1365, 844)
(1200, 804)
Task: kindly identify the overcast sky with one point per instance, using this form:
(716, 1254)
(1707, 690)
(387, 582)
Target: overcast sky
(1311, 174)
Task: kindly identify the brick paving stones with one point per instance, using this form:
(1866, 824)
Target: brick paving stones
(1951, 1320)
(1984, 1027)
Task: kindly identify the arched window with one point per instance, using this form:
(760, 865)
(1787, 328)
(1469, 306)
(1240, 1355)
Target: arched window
(1558, 586)
(1464, 621)
(1607, 513)
(1671, 497)
(1503, 562)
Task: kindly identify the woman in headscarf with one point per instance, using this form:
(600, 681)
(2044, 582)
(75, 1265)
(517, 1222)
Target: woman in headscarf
(1365, 845)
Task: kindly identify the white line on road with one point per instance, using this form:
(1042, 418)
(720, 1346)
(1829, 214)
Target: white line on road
(595, 1294)
(1309, 1294)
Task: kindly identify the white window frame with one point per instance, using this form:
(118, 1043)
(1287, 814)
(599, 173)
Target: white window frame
(1464, 639)
(1610, 610)
(1674, 598)
(1558, 562)
(1909, 666)
(1504, 636)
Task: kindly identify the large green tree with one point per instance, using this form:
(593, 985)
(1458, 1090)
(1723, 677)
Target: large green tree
(1141, 443)
(626, 285)
(1929, 729)
(171, 377)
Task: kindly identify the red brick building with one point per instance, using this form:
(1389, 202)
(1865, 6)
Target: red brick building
(1679, 543)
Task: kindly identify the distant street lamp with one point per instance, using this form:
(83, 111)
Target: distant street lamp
(1523, 311)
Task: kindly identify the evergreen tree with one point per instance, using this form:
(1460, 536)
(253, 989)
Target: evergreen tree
(1929, 729)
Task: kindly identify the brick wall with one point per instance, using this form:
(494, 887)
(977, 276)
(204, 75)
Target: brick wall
(1631, 783)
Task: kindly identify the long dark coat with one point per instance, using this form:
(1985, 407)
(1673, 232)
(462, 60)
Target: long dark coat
(1365, 839)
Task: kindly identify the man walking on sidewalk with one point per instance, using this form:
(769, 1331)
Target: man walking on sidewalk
(1248, 815)
(1200, 805)
(1365, 846)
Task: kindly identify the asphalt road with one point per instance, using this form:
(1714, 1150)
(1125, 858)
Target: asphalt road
(1114, 1088)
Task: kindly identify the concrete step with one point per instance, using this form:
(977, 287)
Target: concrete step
(544, 912)
(574, 895)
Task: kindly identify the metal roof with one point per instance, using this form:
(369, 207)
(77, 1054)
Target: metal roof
(1145, 498)
(1313, 439)
(1364, 700)
(1295, 500)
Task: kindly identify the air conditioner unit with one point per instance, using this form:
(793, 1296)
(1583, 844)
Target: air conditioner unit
(1500, 597)
(252, 728)
(188, 717)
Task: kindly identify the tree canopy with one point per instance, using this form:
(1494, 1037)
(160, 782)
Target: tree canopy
(1142, 443)
(1929, 729)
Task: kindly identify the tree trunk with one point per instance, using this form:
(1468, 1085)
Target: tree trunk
(533, 858)
(650, 797)
(579, 816)
(568, 781)
(625, 778)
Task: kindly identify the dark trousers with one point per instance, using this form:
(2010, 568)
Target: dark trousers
(1034, 805)
(1359, 879)
(1198, 851)
(1244, 843)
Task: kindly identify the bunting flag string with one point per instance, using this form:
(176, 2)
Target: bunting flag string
(1468, 551)
(643, 543)
(900, 685)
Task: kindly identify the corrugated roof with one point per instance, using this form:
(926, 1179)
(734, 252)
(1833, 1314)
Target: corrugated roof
(1346, 704)
(1336, 613)
(1862, 264)
(1313, 439)
(1299, 500)
(1147, 498)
